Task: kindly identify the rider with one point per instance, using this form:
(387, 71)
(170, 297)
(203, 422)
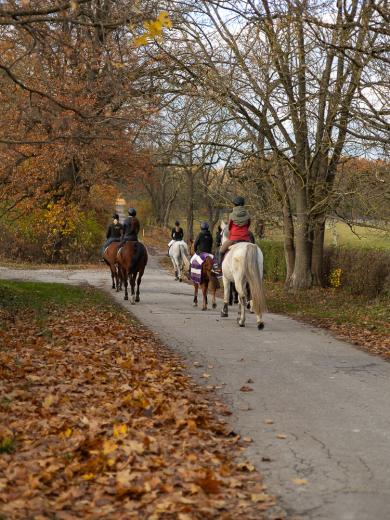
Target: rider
(131, 227)
(239, 222)
(177, 234)
(218, 237)
(114, 232)
(204, 241)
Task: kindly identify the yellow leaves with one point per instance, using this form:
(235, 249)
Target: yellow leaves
(260, 497)
(109, 447)
(154, 29)
(74, 5)
(49, 401)
(88, 476)
(300, 481)
(281, 436)
(67, 433)
(246, 466)
(119, 430)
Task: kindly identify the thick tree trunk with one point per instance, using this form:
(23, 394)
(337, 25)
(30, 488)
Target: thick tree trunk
(301, 277)
(318, 253)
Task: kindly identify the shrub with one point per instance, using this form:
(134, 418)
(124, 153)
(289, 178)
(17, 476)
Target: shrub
(274, 261)
(362, 271)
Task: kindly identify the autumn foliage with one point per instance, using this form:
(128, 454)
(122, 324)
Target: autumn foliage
(100, 421)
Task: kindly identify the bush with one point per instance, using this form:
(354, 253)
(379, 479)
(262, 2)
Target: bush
(58, 233)
(362, 271)
(274, 261)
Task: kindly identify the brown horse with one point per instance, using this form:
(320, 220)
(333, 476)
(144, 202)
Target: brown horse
(207, 278)
(132, 259)
(110, 257)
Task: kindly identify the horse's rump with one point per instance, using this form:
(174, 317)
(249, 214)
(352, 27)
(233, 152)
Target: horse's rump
(196, 266)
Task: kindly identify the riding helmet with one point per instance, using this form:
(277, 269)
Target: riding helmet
(132, 212)
(116, 216)
(177, 223)
(204, 225)
(239, 201)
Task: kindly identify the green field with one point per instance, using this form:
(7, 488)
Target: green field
(358, 236)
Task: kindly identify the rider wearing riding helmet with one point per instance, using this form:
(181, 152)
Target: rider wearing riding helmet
(239, 222)
(204, 241)
(114, 232)
(131, 226)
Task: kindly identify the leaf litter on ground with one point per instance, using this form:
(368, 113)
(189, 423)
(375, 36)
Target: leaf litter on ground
(99, 420)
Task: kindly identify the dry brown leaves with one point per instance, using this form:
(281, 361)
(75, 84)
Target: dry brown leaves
(103, 423)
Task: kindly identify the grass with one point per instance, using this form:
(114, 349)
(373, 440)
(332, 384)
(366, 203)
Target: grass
(358, 237)
(40, 298)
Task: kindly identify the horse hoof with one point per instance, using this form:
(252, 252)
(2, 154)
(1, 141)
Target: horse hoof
(260, 325)
(214, 305)
(180, 280)
(224, 314)
(194, 304)
(241, 324)
(126, 298)
(204, 308)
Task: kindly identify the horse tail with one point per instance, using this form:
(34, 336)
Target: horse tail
(254, 274)
(184, 254)
(137, 253)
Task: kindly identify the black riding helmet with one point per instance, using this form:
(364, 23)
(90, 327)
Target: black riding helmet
(132, 212)
(239, 201)
(177, 223)
(115, 216)
(204, 226)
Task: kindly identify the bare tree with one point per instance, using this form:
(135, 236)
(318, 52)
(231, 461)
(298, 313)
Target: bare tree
(291, 80)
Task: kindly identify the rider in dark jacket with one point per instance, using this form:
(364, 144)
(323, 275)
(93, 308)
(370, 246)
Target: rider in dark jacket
(114, 232)
(204, 241)
(131, 227)
(177, 232)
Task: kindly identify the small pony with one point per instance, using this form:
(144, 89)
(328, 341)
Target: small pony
(179, 255)
(110, 257)
(204, 276)
(242, 265)
(132, 259)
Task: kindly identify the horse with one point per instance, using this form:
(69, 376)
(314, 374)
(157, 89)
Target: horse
(110, 258)
(132, 259)
(243, 264)
(203, 277)
(178, 253)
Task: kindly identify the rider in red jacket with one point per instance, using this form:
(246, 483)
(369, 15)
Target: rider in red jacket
(239, 222)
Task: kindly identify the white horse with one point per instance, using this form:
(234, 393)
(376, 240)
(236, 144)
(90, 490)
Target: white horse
(243, 264)
(179, 255)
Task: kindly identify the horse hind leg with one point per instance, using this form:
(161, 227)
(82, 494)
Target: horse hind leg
(204, 292)
(125, 281)
(139, 278)
(132, 286)
(241, 289)
(195, 302)
(226, 295)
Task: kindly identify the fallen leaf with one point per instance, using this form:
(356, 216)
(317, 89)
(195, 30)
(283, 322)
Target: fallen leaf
(246, 389)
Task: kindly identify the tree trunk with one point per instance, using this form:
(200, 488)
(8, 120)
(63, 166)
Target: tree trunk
(190, 210)
(301, 277)
(318, 253)
(289, 248)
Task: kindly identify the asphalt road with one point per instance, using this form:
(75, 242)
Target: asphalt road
(319, 412)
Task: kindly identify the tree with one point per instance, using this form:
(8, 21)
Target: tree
(291, 80)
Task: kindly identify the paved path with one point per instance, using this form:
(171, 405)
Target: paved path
(330, 400)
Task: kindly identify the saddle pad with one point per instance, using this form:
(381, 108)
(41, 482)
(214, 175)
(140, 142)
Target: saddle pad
(196, 266)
